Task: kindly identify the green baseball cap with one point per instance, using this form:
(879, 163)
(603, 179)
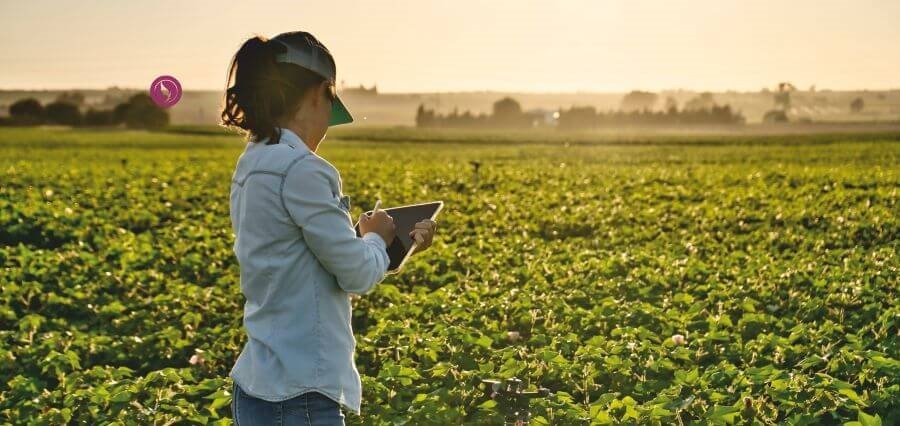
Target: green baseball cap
(314, 57)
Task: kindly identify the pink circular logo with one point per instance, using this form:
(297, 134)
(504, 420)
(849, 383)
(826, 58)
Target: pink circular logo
(165, 91)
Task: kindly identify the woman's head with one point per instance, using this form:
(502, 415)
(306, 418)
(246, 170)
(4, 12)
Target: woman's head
(268, 89)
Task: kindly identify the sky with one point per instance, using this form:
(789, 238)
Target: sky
(462, 45)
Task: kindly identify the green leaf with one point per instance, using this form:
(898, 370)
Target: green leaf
(488, 405)
(811, 361)
(123, 396)
(484, 342)
(867, 420)
(851, 394)
(658, 412)
(219, 402)
(723, 414)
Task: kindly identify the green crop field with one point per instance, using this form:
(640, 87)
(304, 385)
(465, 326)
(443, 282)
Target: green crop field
(572, 262)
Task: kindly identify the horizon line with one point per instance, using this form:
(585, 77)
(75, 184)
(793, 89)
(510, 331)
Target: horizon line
(477, 91)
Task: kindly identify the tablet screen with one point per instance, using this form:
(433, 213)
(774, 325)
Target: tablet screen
(406, 217)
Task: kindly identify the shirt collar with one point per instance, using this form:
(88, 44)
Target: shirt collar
(292, 139)
(288, 137)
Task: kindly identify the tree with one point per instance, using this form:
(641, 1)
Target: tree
(119, 112)
(507, 107)
(98, 117)
(508, 112)
(63, 113)
(424, 117)
(702, 101)
(74, 98)
(577, 117)
(140, 112)
(857, 105)
(671, 105)
(638, 100)
(27, 111)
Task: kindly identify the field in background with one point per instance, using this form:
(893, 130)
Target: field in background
(757, 134)
(569, 261)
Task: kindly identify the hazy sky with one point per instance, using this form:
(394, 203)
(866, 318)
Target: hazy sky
(423, 45)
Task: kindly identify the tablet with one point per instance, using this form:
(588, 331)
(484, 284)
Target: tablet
(406, 217)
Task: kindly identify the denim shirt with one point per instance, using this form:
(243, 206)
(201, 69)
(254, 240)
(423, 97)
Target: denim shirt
(299, 260)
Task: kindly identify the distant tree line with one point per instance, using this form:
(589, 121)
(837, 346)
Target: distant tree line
(588, 117)
(506, 113)
(137, 112)
(634, 110)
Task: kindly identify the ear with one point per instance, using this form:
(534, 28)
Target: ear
(294, 112)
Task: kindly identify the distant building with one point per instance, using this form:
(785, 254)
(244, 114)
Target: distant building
(359, 90)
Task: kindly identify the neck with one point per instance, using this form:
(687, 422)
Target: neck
(303, 134)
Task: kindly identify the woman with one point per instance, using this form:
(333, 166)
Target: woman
(299, 255)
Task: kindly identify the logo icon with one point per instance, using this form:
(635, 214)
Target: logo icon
(165, 91)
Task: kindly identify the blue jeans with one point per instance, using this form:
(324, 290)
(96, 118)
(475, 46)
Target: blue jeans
(311, 408)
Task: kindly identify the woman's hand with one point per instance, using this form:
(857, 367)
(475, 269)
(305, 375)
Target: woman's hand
(423, 234)
(380, 223)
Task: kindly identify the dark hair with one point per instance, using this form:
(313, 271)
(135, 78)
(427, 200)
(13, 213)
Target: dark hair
(264, 90)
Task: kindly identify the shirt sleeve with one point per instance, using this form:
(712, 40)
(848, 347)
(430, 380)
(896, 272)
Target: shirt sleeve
(357, 263)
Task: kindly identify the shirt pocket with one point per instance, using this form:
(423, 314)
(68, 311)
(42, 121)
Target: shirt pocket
(344, 202)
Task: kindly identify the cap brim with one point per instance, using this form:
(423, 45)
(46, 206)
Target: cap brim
(339, 113)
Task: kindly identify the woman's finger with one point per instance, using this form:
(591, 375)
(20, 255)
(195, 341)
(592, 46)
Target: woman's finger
(421, 237)
(424, 227)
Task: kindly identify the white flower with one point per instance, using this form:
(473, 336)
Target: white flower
(197, 359)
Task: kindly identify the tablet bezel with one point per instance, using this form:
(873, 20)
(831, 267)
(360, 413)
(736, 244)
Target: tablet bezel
(415, 243)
